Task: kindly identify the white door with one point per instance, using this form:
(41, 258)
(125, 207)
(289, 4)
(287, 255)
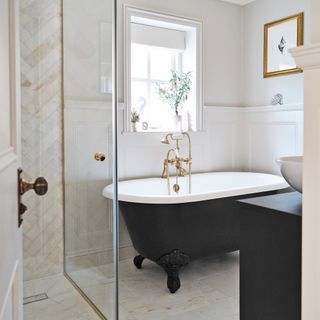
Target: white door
(10, 234)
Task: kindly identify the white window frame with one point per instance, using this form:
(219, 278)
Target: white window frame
(130, 12)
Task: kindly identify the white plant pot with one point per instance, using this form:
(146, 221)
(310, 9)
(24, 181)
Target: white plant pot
(177, 123)
(134, 126)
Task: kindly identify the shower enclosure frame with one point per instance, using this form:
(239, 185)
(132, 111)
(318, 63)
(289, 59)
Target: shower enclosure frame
(115, 201)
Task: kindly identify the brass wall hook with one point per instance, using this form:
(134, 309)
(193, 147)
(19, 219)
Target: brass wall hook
(100, 156)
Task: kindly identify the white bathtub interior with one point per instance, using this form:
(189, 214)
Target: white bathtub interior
(205, 186)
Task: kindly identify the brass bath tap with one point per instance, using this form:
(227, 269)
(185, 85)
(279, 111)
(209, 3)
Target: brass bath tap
(177, 162)
(176, 159)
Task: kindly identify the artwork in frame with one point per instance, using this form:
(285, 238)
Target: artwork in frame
(279, 37)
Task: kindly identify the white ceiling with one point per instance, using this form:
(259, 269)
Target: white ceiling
(240, 2)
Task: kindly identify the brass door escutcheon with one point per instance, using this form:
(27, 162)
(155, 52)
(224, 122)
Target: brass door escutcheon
(40, 187)
(100, 156)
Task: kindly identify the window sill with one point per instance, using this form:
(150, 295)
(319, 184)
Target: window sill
(131, 133)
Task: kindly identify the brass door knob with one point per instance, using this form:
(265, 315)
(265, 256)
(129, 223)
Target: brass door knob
(40, 187)
(100, 156)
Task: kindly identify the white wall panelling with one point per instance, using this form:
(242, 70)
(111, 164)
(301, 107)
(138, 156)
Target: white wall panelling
(272, 132)
(250, 138)
(88, 215)
(214, 148)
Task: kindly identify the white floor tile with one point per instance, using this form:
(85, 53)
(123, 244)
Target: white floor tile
(209, 291)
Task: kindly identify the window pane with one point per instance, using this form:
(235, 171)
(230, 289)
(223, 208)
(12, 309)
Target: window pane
(161, 115)
(139, 96)
(161, 63)
(139, 61)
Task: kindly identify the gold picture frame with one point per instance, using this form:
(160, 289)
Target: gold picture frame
(279, 37)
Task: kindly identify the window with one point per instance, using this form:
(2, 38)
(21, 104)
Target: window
(159, 46)
(146, 72)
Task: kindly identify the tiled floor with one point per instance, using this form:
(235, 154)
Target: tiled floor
(63, 303)
(209, 291)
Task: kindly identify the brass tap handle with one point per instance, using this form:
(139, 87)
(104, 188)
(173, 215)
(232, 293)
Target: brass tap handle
(100, 156)
(186, 160)
(40, 186)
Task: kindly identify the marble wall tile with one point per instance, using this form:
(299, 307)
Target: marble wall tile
(41, 72)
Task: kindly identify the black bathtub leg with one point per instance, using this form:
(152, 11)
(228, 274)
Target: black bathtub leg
(172, 263)
(138, 261)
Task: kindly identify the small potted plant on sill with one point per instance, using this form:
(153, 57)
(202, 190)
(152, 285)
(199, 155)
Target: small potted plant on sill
(176, 93)
(135, 118)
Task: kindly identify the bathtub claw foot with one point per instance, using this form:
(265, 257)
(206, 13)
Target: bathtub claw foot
(138, 261)
(173, 282)
(172, 263)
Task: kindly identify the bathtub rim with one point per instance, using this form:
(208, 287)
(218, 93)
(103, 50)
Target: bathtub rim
(197, 197)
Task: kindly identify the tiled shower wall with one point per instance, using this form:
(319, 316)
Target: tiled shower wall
(41, 65)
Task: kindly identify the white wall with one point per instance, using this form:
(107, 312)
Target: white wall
(259, 91)
(87, 44)
(315, 34)
(222, 44)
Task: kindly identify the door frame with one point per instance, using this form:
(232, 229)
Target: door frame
(10, 159)
(308, 58)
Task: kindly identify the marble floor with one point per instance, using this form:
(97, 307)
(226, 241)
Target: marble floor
(209, 291)
(63, 303)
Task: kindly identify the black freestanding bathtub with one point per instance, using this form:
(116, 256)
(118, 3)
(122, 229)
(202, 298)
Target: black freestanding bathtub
(173, 229)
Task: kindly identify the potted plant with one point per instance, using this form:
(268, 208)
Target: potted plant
(176, 92)
(135, 118)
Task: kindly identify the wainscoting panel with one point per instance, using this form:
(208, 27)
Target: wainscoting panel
(87, 214)
(270, 134)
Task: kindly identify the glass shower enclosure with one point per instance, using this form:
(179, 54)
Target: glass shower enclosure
(90, 125)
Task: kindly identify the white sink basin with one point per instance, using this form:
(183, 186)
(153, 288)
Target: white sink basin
(291, 169)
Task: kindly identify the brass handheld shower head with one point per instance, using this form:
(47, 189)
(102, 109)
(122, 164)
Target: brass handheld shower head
(165, 140)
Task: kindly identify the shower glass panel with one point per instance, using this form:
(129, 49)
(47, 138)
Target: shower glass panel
(88, 149)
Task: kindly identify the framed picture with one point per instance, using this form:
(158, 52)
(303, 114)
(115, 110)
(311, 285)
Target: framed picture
(279, 37)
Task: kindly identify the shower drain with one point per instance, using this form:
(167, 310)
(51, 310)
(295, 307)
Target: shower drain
(35, 298)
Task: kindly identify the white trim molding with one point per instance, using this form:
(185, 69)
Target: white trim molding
(239, 2)
(278, 108)
(271, 108)
(7, 158)
(12, 295)
(307, 57)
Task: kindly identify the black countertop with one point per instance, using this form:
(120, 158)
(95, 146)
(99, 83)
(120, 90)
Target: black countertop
(286, 203)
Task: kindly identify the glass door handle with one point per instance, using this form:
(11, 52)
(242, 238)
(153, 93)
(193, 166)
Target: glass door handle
(100, 156)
